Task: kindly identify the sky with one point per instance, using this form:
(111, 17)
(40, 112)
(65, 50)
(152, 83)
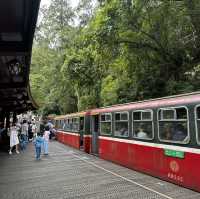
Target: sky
(47, 2)
(73, 3)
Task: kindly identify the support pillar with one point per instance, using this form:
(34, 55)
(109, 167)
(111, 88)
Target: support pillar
(7, 120)
(2, 118)
(14, 117)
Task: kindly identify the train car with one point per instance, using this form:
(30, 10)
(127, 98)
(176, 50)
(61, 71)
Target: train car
(57, 122)
(73, 130)
(160, 137)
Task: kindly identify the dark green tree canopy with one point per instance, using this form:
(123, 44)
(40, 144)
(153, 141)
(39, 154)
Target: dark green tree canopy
(107, 52)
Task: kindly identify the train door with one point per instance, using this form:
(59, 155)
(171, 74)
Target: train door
(81, 132)
(95, 133)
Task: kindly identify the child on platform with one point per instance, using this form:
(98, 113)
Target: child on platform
(38, 142)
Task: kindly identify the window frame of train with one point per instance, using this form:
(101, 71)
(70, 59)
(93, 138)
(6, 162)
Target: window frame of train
(197, 118)
(106, 121)
(141, 120)
(121, 120)
(173, 120)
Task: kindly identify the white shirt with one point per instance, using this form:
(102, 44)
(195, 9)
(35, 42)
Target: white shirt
(46, 135)
(34, 127)
(142, 134)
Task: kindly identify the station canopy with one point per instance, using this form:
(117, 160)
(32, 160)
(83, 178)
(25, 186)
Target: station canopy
(17, 26)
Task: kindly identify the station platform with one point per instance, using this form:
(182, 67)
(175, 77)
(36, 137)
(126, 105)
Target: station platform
(67, 173)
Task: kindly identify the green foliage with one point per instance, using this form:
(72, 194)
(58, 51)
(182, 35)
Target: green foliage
(120, 51)
(109, 91)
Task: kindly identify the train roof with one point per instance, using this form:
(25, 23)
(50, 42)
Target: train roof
(174, 100)
(59, 117)
(78, 114)
(51, 116)
(182, 99)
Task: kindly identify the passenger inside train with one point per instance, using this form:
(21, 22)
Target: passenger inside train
(141, 133)
(179, 133)
(124, 132)
(167, 135)
(174, 132)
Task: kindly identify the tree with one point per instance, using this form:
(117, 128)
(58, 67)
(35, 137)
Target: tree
(115, 52)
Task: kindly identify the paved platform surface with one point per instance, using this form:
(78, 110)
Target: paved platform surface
(69, 173)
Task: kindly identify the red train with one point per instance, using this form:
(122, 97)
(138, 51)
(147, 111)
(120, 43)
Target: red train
(160, 137)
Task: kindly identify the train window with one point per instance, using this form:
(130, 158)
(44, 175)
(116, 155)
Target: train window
(143, 124)
(58, 124)
(173, 126)
(106, 124)
(103, 118)
(117, 116)
(64, 125)
(146, 115)
(124, 116)
(197, 114)
(81, 123)
(121, 124)
(181, 113)
(108, 117)
(70, 124)
(137, 116)
(61, 124)
(167, 114)
(75, 125)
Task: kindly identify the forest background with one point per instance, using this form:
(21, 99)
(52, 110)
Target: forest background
(108, 52)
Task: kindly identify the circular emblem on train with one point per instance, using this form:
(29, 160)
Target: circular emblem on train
(174, 166)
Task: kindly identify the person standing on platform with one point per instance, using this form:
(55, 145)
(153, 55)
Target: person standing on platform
(24, 134)
(38, 142)
(46, 140)
(50, 125)
(34, 129)
(14, 141)
(30, 133)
